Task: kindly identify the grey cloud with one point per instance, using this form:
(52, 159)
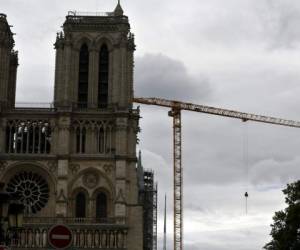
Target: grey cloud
(272, 171)
(161, 76)
(281, 21)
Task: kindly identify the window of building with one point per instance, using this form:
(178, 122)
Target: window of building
(83, 76)
(80, 205)
(103, 77)
(101, 142)
(32, 188)
(104, 139)
(80, 140)
(101, 206)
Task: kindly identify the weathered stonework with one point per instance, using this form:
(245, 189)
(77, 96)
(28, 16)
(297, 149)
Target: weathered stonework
(85, 151)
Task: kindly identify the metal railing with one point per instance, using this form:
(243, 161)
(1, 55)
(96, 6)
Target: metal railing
(86, 13)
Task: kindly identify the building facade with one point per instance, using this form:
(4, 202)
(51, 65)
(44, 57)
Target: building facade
(74, 162)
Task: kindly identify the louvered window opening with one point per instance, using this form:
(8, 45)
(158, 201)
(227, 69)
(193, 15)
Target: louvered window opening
(83, 77)
(103, 77)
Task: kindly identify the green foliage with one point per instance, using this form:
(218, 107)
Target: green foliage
(286, 226)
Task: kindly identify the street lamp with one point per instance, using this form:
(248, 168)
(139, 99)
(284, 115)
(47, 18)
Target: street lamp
(11, 216)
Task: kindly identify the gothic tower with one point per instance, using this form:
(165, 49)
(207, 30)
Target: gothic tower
(8, 65)
(75, 162)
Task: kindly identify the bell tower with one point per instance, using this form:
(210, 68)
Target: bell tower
(74, 163)
(8, 65)
(94, 61)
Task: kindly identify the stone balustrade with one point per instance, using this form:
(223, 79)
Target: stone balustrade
(85, 236)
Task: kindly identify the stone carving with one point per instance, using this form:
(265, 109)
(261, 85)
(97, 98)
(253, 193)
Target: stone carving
(108, 168)
(61, 197)
(90, 179)
(120, 197)
(74, 168)
(52, 166)
(3, 166)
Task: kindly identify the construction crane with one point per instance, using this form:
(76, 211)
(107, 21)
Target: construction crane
(175, 112)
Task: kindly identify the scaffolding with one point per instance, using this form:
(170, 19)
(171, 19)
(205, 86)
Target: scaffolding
(150, 211)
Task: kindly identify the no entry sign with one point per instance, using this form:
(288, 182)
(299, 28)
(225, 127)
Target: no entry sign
(60, 236)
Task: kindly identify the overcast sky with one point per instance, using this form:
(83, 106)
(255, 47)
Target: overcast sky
(237, 54)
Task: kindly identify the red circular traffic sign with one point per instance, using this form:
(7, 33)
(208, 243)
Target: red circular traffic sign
(60, 236)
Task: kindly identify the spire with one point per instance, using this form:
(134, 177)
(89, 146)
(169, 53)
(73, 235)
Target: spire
(118, 10)
(165, 225)
(140, 160)
(140, 171)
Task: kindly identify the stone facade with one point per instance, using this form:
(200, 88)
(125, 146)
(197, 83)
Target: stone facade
(75, 162)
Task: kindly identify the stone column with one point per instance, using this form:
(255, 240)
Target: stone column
(4, 72)
(114, 72)
(62, 188)
(12, 79)
(130, 65)
(121, 171)
(73, 76)
(2, 135)
(67, 74)
(123, 85)
(63, 139)
(63, 150)
(59, 74)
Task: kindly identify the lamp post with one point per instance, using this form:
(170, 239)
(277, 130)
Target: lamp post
(11, 217)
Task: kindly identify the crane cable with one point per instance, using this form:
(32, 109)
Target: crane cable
(246, 161)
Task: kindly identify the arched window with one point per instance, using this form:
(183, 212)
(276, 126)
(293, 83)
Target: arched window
(101, 205)
(83, 76)
(80, 140)
(103, 77)
(80, 203)
(101, 142)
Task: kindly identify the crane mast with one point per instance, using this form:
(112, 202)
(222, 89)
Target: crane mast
(175, 113)
(178, 213)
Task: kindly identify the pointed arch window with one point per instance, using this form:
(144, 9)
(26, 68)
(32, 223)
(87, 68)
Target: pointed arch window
(80, 140)
(80, 205)
(83, 76)
(101, 142)
(103, 77)
(101, 206)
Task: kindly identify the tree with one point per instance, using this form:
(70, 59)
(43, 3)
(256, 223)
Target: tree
(285, 230)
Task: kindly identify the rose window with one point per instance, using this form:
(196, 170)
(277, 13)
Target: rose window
(32, 188)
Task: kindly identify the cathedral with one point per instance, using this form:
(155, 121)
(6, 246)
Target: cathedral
(75, 162)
